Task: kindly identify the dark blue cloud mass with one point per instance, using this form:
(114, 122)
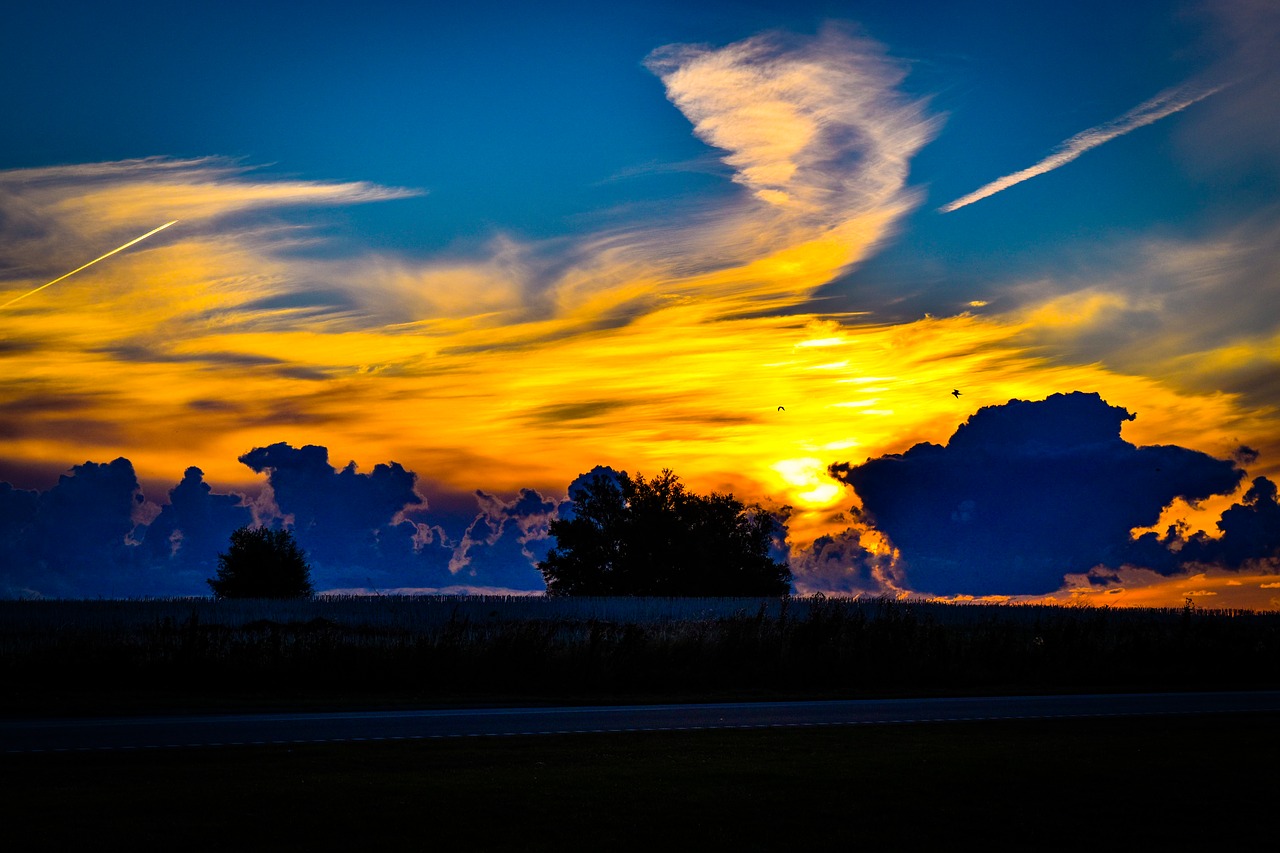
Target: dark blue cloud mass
(194, 526)
(74, 539)
(1021, 495)
(506, 540)
(1248, 537)
(93, 534)
(1026, 492)
(348, 523)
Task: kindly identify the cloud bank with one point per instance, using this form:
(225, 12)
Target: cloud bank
(506, 363)
(94, 534)
(1026, 499)
(1026, 493)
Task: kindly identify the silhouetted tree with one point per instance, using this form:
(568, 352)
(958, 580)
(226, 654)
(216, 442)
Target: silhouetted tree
(262, 563)
(629, 536)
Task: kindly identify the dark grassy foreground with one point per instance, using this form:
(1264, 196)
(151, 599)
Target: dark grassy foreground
(68, 657)
(1162, 783)
(1131, 783)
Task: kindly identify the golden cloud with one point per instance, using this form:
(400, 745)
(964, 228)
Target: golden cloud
(660, 345)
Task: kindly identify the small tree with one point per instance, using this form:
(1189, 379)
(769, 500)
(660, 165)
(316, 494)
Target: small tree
(630, 536)
(262, 563)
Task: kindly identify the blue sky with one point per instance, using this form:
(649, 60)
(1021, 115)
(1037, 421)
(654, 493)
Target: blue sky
(529, 117)
(503, 243)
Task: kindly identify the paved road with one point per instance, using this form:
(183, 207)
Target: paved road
(225, 730)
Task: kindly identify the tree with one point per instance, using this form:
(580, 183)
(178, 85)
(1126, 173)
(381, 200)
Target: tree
(628, 536)
(262, 563)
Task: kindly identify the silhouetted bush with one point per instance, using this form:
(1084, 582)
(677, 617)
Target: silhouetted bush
(262, 563)
(631, 536)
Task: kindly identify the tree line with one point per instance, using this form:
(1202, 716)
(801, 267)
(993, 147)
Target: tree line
(622, 536)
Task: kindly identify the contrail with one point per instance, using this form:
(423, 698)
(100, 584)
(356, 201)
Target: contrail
(91, 263)
(1164, 104)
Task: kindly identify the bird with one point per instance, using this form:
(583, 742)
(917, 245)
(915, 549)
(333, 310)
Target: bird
(955, 394)
(780, 409)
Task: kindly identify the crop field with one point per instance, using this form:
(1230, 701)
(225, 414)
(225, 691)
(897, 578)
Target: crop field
(1151, 783)
(91, 656)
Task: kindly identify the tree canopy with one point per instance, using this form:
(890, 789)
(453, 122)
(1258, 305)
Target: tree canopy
(262, 563)
(631, 536)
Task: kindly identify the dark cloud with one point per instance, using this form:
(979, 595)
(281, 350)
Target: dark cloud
(194, 527)
(142, 354)
(205, 405)
(340, 517)
(506, 540)
(1020, 496)
(1245, 455)
(1026, 492)
(581, 411)
(1250, 530)
(75, 538)
(842, 564)
(13, 346)
(93, 534)
(53, 411)
(18, 510)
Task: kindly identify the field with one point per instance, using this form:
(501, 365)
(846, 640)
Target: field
(137, 656)
(1170, 783)
(1040, 784)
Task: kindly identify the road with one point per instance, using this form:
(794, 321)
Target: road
(18, 736)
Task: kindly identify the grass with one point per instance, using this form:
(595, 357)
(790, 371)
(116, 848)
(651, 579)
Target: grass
(1141, 783)
(67, 657)
(1133, 783)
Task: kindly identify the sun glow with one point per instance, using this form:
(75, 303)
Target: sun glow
(695, 341)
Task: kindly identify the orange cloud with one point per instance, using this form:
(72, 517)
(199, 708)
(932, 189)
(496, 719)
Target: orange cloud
(657, 345)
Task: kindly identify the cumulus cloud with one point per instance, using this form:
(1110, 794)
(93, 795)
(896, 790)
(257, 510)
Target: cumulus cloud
(506, 540)
(194, 527)
(842, 563)
(1250, 530)
(92, 533)
(341, 518)
(1025, 493)
(74, 539)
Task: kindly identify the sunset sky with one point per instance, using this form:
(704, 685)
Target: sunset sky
(500, 244)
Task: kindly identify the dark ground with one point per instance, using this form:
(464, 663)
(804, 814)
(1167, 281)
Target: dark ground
(1175, 783)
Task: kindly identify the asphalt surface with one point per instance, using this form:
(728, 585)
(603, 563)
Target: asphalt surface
(67, 735)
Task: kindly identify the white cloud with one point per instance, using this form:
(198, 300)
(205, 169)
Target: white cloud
(1164, 104)
(814, 127)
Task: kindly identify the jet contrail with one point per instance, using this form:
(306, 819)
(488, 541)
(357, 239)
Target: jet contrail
(1164, 104)
(91, 263)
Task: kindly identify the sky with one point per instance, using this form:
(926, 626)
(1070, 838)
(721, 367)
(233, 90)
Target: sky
(407, 274)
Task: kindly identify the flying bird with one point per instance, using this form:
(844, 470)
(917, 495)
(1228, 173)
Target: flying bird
(780, 409)
(955, 394)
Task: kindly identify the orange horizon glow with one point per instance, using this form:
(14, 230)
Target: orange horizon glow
(696, 342)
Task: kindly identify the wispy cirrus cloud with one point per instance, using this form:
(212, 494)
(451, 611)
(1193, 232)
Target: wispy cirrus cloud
(662, 342)
(816, 128)
(1162, 105)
